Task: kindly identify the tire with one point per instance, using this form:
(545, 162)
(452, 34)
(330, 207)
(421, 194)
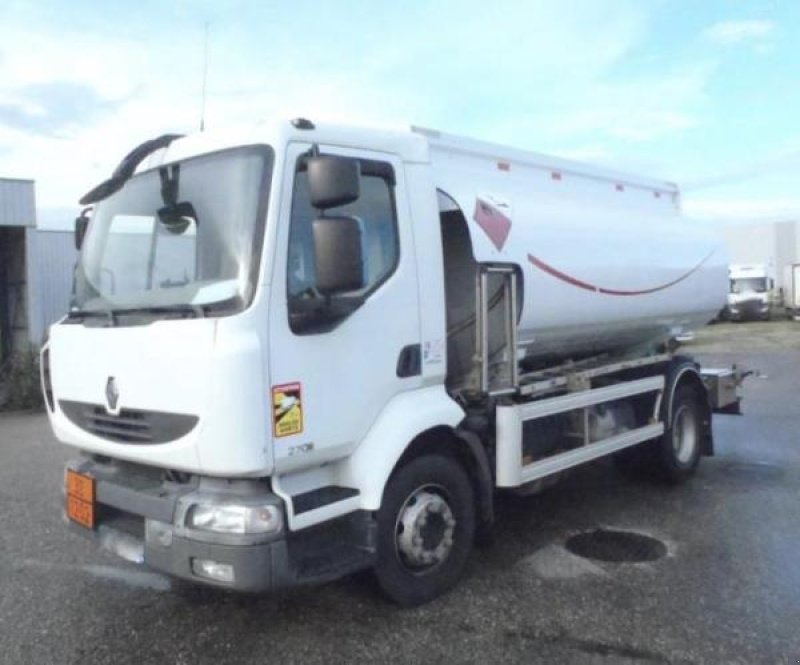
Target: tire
(677, 453)
(430, 498)
(660, 459)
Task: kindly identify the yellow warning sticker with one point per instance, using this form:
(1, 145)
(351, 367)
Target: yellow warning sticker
(287, 409)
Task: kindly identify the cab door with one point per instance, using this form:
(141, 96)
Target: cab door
(332, 374)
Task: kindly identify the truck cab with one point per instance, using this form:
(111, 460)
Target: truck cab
(222, 357)
(749, 294)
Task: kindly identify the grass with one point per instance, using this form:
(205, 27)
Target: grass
(19, 376)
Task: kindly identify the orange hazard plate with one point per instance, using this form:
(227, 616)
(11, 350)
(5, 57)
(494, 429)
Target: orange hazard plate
(80, 499)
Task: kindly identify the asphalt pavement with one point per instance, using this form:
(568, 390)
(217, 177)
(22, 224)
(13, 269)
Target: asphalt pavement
(727, 590)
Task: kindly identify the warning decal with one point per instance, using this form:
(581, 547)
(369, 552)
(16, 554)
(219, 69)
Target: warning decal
(493, 215)
(287, 409)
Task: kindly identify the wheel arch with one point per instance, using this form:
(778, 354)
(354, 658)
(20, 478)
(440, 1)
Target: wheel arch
(413, 423)
(408, 417)
(467, 449)
(685, 371)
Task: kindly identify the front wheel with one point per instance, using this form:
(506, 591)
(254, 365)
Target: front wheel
(426, 527)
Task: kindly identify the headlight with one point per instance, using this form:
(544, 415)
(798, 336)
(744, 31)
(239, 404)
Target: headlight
(234, 519)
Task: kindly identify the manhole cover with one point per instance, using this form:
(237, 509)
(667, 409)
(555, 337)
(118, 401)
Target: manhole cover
(616, 546)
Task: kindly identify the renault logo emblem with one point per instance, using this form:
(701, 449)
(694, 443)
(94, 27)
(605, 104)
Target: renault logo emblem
(112, 394)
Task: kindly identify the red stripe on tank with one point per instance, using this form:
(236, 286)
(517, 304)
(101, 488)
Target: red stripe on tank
(569, 279)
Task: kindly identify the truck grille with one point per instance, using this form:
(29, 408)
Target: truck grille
(131, 425)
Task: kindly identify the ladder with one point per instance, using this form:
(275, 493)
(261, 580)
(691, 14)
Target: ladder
(496, 330)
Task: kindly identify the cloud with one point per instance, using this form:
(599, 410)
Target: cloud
(738, 32)
(125, 78)
(783, 162)
(625, 111)
(54, 108)
(742, 210)
(579, 78)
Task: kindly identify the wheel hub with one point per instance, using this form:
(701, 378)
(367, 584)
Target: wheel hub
(425, 528)
(684, 434)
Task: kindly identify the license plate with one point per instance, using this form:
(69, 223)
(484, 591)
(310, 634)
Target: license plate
(80, 499)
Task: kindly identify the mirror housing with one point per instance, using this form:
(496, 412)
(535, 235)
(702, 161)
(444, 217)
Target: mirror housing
(81, 224)
(332, 181)
(338, 257)
(177, 217)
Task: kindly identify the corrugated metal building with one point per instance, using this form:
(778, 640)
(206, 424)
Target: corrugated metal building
(51, 264)
(17, 219)
(36, 267)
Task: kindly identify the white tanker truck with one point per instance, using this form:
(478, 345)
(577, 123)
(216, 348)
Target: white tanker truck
(315, 349)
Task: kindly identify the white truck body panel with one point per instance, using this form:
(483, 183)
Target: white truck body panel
(201, 359)
(348, 374)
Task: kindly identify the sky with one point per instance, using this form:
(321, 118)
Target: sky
(704, 94)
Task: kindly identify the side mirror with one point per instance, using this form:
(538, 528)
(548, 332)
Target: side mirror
(177, 217)
(338, 259)
(81, 224)
(332, 181)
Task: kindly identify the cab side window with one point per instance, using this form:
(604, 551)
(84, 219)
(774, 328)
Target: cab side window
(376, 215)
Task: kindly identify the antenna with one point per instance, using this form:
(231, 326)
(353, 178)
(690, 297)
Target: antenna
(205, 79)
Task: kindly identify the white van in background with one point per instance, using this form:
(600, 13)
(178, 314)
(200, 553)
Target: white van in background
(749, 294)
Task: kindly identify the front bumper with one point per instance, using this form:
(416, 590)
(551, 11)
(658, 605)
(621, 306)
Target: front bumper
(140, 516)
(748, 309)
(255, 567)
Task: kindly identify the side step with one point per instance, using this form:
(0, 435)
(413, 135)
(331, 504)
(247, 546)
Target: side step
(321, 504)
(321, 497)
(333, 549)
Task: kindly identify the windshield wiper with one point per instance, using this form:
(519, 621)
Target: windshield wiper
(91, 314)
(126, 168)
(195, 311)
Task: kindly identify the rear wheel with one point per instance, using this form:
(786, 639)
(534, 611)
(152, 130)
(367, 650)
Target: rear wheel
(426, 527)
(680, 446)
(675, 455)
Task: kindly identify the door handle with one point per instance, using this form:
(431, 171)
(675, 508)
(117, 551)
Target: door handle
(409, 362)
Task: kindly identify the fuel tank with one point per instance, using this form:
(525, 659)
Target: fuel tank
(605, 261)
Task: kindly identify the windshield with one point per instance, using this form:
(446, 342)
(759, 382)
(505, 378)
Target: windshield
(185, 234)
(749, 285)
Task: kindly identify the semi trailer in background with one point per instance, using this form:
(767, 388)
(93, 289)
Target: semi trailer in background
(791, 290)
(750, 292)
(316, 349)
